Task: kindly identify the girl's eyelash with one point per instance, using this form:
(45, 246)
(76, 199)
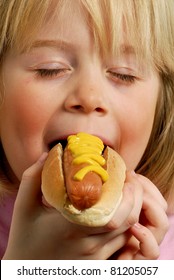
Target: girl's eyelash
(50, 72)
(123, 77)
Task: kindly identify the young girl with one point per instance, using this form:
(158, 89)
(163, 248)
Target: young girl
(105, 67)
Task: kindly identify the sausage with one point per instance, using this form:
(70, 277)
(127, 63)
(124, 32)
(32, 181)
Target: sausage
(85, 193)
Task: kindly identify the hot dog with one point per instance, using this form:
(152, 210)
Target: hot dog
(83, 182)
(84, 169)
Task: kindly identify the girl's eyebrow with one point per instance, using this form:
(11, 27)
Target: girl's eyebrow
(57, 44)
(61, 44)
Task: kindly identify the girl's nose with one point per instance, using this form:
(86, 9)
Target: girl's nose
(87, 99)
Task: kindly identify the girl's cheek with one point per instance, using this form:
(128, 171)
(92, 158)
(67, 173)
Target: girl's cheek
(26, 105)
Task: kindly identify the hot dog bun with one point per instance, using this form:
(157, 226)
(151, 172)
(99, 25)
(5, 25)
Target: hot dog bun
(54, 190)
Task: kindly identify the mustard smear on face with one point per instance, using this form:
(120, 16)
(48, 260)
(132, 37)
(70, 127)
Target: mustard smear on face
(87, 148)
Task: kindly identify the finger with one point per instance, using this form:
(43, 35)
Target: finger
(156, 219)
(102, 246)
(123, 210)
(152, 191)
(138, 198)
(130, 208)
(149, 248)
(154, 206)
(29, 189)
(111, 248)
(129, 250)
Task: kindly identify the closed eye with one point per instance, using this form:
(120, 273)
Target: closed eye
(122, 78)
(51, 72)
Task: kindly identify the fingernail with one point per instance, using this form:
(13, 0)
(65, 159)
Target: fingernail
(43, 157)
(137, 225)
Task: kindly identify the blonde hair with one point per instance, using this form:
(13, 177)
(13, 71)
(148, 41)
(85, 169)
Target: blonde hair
(148, 27)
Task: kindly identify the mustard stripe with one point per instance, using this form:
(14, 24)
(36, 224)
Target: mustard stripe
(97, 169)
(89, 158)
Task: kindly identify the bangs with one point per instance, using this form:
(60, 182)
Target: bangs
(141, 25)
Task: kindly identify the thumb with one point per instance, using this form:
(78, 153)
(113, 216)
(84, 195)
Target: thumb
(30, 187)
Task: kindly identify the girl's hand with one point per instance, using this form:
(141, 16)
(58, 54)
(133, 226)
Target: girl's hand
(39, 232)
(152, 226)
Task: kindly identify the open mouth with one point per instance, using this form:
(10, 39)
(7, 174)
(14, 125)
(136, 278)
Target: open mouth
(63, 142)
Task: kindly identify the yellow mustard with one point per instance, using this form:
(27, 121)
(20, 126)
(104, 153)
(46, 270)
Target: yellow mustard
(87, 148)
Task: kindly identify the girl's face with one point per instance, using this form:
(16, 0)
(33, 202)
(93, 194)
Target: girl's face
(62, 86)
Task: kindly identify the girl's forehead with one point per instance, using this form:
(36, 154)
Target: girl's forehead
(109, 33)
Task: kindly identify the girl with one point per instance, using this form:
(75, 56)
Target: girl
(105, 67)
